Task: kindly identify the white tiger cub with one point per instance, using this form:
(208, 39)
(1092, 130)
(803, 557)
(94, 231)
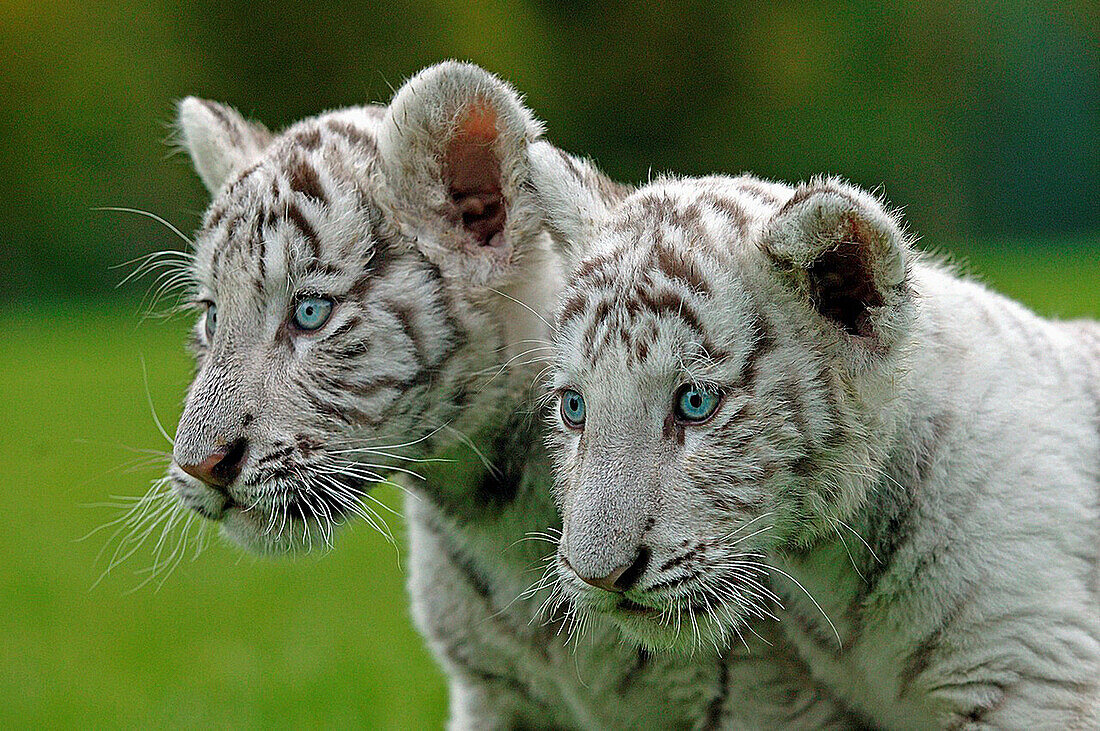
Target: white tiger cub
(753, 379)
(359, 277)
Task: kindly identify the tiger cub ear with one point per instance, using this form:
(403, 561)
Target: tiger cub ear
(575, 197)
(453, 150)
(844, 250)
(221, 142)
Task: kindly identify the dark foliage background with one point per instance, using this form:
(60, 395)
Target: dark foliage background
(981, 118)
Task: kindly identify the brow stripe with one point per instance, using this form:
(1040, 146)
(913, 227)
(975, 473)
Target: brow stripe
(678, 269)
(353, 135)
(304, 180)
(405, 318)
(295, 215)
(345, 327)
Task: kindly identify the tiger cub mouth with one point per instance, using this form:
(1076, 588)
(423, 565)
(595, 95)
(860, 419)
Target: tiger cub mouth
(283, 513)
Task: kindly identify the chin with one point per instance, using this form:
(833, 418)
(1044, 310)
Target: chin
(677, 628)
(265, 528)
(258, 533)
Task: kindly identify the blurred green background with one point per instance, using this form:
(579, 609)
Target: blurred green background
(983, 120)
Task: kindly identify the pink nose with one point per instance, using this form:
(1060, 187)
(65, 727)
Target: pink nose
(222, 467)
(622, 578)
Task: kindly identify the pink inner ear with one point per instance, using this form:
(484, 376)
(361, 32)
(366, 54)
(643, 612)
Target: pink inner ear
(472, 175)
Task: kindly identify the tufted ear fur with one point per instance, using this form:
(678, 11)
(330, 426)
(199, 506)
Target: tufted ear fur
(220, 140)
(453, 150)
(574, 195)
(844, 250)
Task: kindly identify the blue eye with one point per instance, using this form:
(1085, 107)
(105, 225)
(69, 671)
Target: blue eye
(211, 320)
(696, 404)
(312, 312)
(572, 408)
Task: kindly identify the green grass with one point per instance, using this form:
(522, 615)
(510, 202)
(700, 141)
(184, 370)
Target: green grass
(1060, 281)
(228, 639)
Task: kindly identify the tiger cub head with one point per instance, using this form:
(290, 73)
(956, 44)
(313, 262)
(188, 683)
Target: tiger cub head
(361, 278)
(723, 389)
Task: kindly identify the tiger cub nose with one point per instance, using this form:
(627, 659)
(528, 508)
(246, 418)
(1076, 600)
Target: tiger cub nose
(622, 578)
(222, 467)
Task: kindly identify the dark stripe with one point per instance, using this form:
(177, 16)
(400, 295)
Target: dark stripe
(487, 493)
(921, 657)
(792, 395)
(716, 709)
(673, 428)
(230, 126)
(758, 190)
(669, 584)
(975, 717)
(352, 350)
(240, 179)
(324, 407)
(677, 560)
(304, 180)
(573, 307)
(806, 191)
(642, 660)
(307, 444)
(677, 267)
(315, 266)
(730, 208)
(655, 206)
(294, 215)
(373, 386)
(276, 455)
(510, 450)
(460, 396)
(603, 309)
(309, 139)
(355, 136)
(597, 270)
(763, 343)
(688, 218)
(217, 213)
(217, 265)
(823, 384)
(345, 327)
(894, 514)
(810, 628)
(260, 241)
(570, 164)
(475, 579)
(405, 319)
(671, 303)
(379, 262)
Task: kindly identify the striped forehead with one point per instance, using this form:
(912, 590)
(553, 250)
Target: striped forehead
(701, 216)
(299, 213)
(661, 291)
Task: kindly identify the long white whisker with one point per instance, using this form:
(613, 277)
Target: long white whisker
(149, 400)
(857, 535)
(524, 305)
(155, 217)
(811, 598)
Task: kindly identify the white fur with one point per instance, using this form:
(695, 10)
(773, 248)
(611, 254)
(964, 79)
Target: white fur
(451, 336)
(219, 140)
(919, 473)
